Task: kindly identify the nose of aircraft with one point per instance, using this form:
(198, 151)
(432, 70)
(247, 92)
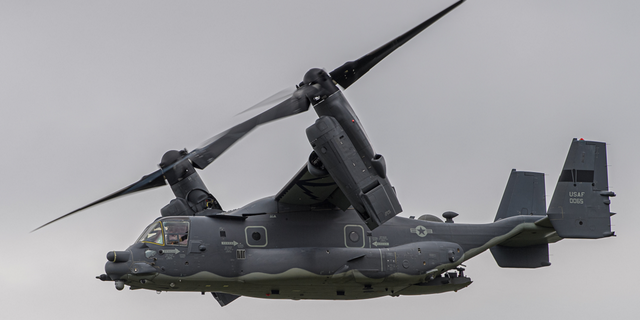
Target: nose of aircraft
(120, 266)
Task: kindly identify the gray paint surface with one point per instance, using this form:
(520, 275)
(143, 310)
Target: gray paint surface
(90, 94)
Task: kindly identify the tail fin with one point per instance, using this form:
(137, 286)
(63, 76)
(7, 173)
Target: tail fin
(524, 195)
(580, 204)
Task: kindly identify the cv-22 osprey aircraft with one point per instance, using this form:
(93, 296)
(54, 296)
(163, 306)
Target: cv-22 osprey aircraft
(332, 232)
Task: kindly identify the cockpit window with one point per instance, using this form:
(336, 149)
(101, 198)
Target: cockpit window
(153, 234)
(167, 232)
(177, 232)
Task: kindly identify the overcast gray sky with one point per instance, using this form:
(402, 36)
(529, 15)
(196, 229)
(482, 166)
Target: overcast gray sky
(93, 93)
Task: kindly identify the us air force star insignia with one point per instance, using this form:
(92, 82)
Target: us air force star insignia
(421, 231)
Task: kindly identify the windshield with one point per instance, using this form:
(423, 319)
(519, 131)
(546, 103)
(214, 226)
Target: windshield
(153, 234)
(170, 232)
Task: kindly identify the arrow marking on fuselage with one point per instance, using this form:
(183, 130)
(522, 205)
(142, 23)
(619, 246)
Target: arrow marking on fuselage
(380, 243)
(229, 243)
(174, 251)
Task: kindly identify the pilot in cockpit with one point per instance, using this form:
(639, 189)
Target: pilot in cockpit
(177, 233)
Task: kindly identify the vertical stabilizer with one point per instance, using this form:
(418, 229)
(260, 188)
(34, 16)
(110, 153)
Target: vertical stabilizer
(524, 195)
(580, 204)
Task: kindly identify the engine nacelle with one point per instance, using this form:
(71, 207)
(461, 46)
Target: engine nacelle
(362, 182)
(191, 194)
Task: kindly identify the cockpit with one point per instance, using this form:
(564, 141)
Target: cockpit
(173, 232)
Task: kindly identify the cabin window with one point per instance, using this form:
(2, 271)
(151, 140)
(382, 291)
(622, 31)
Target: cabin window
(176, 232)
(173, 232)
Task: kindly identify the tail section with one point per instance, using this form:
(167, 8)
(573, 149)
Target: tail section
(579, 207)
(534, 256)
(580, 204)
(524, 195)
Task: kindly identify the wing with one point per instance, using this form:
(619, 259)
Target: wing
(306, 189)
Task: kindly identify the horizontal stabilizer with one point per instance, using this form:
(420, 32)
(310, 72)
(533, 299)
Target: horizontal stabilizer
(580, 204)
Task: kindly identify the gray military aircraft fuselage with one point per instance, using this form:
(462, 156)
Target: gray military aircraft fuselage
(290, 254)
(332, 232)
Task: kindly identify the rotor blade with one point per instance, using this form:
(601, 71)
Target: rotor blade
(155, 179)
(351, 71)
(276, 98)
(345, 76)
(202, 157)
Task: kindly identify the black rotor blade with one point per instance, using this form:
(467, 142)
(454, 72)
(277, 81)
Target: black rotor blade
(203, 156)
(345, 76)
(351, 71)
(155, 179)
(276, 97)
